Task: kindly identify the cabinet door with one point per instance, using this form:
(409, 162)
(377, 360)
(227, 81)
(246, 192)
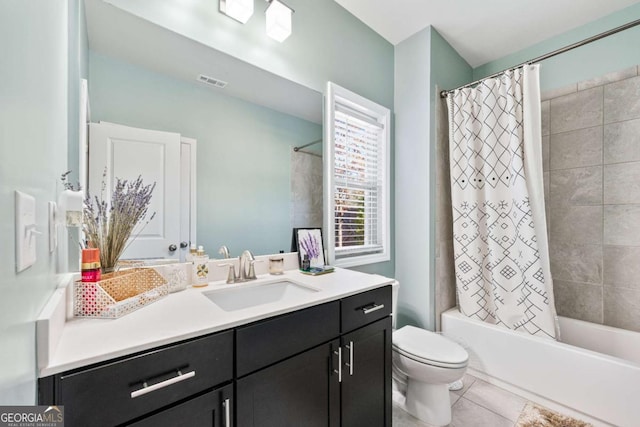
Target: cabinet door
(212, 409)
(300, 391)
(366, 376)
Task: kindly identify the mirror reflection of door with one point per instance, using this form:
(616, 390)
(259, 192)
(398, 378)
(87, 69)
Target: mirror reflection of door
(128, 152)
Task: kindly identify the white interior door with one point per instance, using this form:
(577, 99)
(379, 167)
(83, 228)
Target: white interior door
(187, 195)
(126, 153)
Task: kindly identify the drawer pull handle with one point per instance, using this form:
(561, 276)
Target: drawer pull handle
(162, 384)
(351, 362)
(227, 412)
(339, 371)
(371, 308)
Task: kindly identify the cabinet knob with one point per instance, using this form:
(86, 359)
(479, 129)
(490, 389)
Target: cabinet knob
(183, 245)
(172, 247)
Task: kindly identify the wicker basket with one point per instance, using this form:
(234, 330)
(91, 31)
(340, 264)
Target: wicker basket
(118, 293)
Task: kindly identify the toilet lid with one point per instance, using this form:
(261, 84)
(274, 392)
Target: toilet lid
(432, 348)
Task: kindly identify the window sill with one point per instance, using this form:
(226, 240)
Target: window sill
(361, 260)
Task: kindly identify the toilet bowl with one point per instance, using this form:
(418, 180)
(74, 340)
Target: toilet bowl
(424, 364)
(427, 362)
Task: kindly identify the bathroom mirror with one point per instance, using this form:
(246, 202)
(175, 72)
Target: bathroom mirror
(252, 188)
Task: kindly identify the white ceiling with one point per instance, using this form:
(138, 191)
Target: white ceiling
(481, 30)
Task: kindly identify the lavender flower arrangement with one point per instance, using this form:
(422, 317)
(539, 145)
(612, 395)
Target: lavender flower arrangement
(108, 227)
(309, 243)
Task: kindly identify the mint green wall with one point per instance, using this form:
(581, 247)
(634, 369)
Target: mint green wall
(328, 43)
(421, 62)
(612, 53)
(33, 154)
(244, 150)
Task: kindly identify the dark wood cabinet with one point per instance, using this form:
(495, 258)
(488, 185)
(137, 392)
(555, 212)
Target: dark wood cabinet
(212, 409)
(299, 391)
(366, 376)
(122, 390)
(327, 365)
(343, 382)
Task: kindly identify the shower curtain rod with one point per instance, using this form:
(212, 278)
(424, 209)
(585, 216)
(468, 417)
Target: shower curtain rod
(306, 145)
(444, 93)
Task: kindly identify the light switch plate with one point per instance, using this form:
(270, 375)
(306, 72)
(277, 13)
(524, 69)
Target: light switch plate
(26, 232)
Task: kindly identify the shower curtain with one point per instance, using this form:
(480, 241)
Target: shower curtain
(499, 226)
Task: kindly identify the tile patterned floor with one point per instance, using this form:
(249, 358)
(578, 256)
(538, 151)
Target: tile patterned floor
(478, 404)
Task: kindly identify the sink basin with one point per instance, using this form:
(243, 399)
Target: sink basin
(239, 297)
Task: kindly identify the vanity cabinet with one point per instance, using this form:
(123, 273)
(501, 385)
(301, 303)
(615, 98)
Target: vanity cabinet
(326, 365)
(125, 390)
(333, 366)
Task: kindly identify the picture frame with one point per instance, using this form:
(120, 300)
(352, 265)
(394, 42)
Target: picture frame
(308, 241)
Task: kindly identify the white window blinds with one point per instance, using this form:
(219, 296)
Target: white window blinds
(358, 205)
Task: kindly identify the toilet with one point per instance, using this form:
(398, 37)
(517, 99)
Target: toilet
(424, 364)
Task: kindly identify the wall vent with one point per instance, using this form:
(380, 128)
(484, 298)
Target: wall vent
(211, 81)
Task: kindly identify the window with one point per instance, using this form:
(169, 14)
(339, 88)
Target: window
(356, 171)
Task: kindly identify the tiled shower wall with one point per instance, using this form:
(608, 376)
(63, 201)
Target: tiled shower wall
(591, 146)
(306, 190)
(591, 153)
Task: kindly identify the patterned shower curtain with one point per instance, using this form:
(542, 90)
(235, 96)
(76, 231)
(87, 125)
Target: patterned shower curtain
(499, 225)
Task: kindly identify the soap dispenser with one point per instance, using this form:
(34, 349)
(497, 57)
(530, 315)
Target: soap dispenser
(200, 272)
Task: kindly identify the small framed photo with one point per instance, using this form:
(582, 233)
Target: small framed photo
(308, 241)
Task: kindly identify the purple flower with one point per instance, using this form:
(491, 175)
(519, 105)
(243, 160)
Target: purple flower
(309, 243)
(108, 227)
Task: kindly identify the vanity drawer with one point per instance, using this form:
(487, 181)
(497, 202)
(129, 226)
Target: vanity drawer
(114, 393)
(366, 307)
(270, 341)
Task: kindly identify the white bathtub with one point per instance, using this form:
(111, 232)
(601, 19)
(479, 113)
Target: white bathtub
(575, 376)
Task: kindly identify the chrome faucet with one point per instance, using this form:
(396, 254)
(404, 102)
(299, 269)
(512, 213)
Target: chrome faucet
(224, 251)
(247, 256)
(243, 275)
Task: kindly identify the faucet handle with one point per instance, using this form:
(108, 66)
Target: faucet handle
(231, 277)
(252, 269)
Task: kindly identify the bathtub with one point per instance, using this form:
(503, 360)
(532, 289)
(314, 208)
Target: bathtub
(594, 374)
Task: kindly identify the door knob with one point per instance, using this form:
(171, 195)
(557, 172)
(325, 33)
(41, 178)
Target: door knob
(183, 245)
(172, 248)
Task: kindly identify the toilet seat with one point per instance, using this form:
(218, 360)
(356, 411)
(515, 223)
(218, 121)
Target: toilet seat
(429, 348)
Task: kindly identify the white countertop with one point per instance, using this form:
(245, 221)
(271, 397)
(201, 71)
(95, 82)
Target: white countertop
(188, 314)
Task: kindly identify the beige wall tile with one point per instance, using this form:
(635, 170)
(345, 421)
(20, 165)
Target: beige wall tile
(622, 100)
(576, 262)
(622, 142)
(561, 91)
(576, 148)
(545, 117)
(608, 78)
(579, 186)
(578, 301)
(622, 183)
(622, 267)
(622, 225)
(577, 224)
(576, 111)
(621, 308)
(545, 152)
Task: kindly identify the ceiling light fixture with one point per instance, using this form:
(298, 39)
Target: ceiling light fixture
(240, 10)
(278, 20)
